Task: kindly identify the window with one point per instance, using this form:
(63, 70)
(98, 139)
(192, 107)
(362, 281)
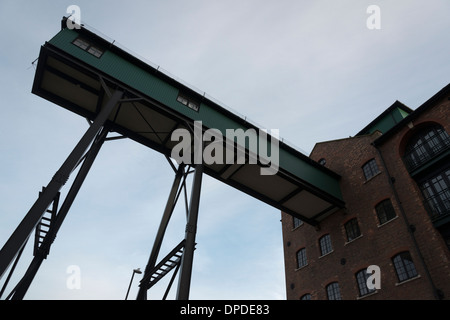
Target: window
(425, 145)
(95, 52)
(188, 102)
(301, 258)
(325, 244)
(370, 169)
(436, 191)
(306, 296)
(385, 211)
(333, 292)
(352, 229)
(86, 46)
(81, 43)
(404, 266)
(297, 222)
(361, 280)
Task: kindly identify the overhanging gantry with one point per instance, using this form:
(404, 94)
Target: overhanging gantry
(85, 73)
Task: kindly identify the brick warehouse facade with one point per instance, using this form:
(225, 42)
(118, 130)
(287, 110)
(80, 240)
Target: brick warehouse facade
(395, 181)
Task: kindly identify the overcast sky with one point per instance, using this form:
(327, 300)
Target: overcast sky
(312, 69)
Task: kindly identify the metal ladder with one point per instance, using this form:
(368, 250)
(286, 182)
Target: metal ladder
(44, 228)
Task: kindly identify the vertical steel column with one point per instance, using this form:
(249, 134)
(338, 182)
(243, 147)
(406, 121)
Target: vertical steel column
(32, 218)
(170, 205)
(184, 282)
(22, 288)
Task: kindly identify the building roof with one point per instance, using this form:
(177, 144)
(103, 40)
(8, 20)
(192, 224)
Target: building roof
(444, 92)
(388, 119)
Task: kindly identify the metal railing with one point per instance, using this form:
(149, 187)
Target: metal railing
(425, 152)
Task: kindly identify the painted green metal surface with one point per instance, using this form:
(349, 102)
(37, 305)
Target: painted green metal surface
(148, 82)
(386, 121)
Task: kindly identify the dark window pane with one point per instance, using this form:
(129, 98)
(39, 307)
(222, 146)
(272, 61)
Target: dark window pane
(333, 291)
(325, 244)
(297, 222)
(301, 258)
(361, 279)
(306, 297)
(352, 229)
(385, 211)
(370, 169)
(404, 266)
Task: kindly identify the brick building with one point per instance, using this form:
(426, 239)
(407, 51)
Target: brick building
(395, 181)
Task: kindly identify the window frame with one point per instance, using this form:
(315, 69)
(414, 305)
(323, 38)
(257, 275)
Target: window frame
(306, 296)
(424, 145)
(404, 271)
(187, 101)
(88, 47)
(333, 291)
(370, 169)
(352, 223)
(361, 280)
(436, 193)
(296, 222)
(385, 211)
(325, 245)
(302, 260)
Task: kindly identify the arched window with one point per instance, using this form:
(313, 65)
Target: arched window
(325, 244)
(333, 291)
(404, 266)
(425, 145)
(352, 229)
(385, 211)
(306, 296)
(361, 280)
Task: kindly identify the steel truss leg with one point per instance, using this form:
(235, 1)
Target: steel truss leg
(170, 205)
(22, 287)
(32, 218)
(184, 281)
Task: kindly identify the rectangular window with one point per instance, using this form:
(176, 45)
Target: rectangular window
(188, 102)
(88, 47)
(80, 43)
(370, 169)
(301, 258)
(297, 222)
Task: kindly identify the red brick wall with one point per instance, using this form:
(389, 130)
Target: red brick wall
(378, 244)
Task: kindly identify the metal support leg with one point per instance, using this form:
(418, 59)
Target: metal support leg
(26, 227)
(170, 205)
(184, 282)
(24, 284)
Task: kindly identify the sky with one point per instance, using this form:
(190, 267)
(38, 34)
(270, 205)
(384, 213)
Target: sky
(312, 69)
